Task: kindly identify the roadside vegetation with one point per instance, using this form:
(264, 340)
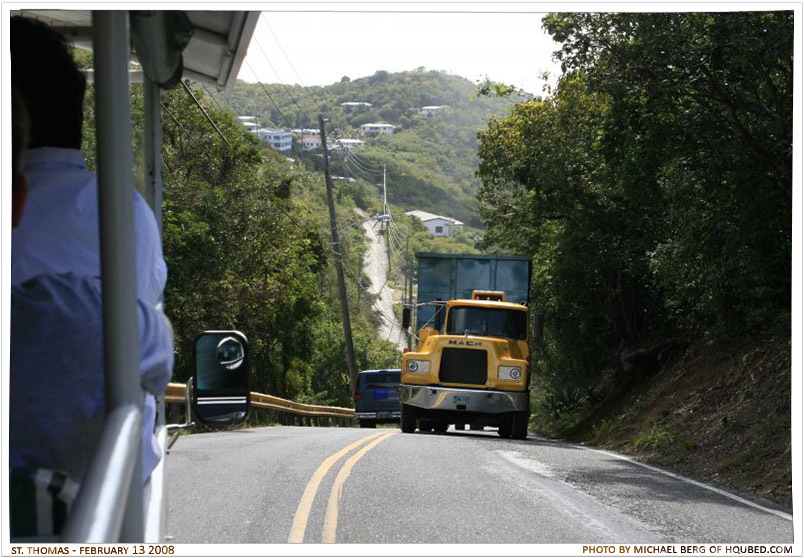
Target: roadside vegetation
(246, 241)
(654, 190)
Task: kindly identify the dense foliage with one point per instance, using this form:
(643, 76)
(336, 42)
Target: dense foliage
(246, 241)
(247, 246)
(653, 188)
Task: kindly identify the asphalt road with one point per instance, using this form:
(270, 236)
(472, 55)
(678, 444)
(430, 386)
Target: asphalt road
(375, 266)
(293, 484)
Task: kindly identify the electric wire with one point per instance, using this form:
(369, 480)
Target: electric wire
(352, 157)
(279, 110)
(366, 163)
(206, 114)
(356, 173)
(292, 67)
(209, 94)
(281, 81)
(180, 125)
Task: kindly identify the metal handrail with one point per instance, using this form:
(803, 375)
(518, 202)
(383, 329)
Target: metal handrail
(97, 515)
(176, 394)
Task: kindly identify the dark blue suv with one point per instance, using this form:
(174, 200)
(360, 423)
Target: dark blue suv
(377, 397)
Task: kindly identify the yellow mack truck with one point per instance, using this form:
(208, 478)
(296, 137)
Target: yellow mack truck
(471, 362)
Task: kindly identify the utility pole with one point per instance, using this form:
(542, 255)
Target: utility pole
(347, 324)
(384, 197)
(409, 288)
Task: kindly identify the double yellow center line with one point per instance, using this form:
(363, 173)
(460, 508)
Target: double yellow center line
(299, 526)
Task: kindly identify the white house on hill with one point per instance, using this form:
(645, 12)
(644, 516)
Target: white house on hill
(279, 140)
(354, 106)
(430, 111)
(249, 123)
(344, 146)
(437, 224)
(376, 129)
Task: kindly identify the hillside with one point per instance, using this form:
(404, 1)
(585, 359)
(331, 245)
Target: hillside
(431, 161)
(720, 415)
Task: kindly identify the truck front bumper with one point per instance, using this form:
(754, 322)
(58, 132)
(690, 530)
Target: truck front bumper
(469, 400)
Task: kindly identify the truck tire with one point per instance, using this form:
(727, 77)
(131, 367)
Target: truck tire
(519, 430)
(407, 419)
(425, 425)
(506, 427)
(367, 423)
(440, 427)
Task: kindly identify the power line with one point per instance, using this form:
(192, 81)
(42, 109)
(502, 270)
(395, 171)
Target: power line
(366, 163)
(213, 98)
(279, 110)
(292, 67)
(209, 118)
(180, 125)
(281, 81)
(351, 157)
(358, 174)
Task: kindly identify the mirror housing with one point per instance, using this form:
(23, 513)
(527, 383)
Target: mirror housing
(406, 317)
(221, 394)
(537, 326)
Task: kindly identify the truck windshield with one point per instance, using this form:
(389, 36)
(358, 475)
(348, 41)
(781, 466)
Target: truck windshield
(487, 321)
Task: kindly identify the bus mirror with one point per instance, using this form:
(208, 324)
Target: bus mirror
(405, 317)
(537, 326)
(221, 393)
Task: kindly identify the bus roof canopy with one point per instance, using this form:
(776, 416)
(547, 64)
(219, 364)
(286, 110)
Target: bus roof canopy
(211, 44)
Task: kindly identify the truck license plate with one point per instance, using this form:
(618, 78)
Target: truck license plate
(384, 415)
(460, 399)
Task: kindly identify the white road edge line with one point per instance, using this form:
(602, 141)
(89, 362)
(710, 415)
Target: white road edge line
(676, 476)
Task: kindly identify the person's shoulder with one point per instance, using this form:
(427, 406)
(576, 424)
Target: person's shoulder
(58, 287)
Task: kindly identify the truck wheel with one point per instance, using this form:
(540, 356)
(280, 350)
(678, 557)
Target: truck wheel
(440, 427)
(505, 427)
(425, 425)
(475, 426)
(367, 423)
(407, 420)
(460, 426)
(519, 431)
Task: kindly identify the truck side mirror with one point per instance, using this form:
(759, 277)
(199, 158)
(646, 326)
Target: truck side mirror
(221, 395)
(406, 317)
(537, 326)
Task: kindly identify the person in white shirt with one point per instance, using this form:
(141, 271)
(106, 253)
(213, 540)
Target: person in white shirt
(58, 232)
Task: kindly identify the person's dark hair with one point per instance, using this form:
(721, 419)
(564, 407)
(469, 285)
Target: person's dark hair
(50, 81)
(19, 130)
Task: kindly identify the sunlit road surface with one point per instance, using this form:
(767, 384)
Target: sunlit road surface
(350, 485)
(375, 266)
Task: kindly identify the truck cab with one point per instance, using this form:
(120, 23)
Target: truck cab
(471, 363)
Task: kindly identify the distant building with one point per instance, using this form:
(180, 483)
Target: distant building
(279, 140)
(310, 142)
(355, 106)
(309, 138)
(344, 145)
(249, 123)
(431, 110)
(374, 129)
(437, 224)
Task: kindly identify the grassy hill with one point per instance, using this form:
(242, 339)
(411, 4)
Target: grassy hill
(431, 161)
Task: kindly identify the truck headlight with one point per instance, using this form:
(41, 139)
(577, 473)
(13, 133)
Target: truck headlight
(418, 366)
(509, 372)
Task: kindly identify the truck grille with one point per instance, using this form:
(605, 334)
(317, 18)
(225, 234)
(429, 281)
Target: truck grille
(463, 366)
